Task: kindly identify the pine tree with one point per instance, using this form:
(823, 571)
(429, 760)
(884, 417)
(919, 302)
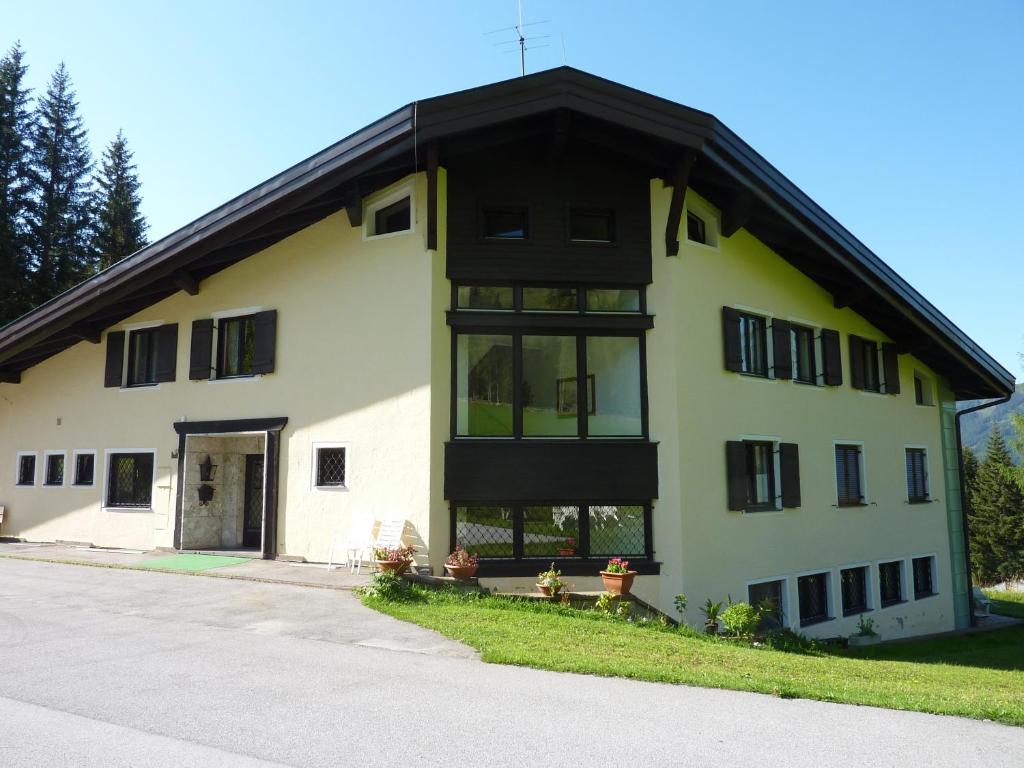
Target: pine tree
(120, 225)
(997, 516)
(14, 186)
(60, 220)
(970, 477)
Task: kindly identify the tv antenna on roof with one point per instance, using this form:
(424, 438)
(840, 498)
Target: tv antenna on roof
(521, 38)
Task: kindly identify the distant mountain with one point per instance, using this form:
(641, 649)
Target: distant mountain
(976, 426)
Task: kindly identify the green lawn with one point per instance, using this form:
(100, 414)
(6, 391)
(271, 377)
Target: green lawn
(1007, 603)
(979, 676)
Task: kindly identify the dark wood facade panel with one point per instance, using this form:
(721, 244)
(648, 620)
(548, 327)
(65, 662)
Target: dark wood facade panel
(551, 471)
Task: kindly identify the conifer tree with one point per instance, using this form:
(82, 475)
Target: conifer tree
(60, 221)
(970, 477)
(120, 225)
(14, 187)
(997, 516)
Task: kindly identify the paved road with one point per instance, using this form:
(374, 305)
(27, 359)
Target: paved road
(120, 668)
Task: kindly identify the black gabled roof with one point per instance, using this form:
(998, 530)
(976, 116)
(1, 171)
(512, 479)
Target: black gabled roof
(746, 187)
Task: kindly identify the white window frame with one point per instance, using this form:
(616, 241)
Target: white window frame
(314, 464)
(35, 470)
(787, 620)
(382, 200)
(769, 344)
(107, 453)
(819, 367)
(712, 224)
(904, 587)
(927, 390)
(830, 597)
(866, 500)
(46, 462)
(125, 356)
(74, 467)
(927, 473)
(933, 557)
(775, 440)
(869, 590)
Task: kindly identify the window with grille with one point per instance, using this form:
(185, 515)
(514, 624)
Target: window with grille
(27, 469)
(812, 591)
(130, 480)
(236, 346)
(890, 582)
(849, 479)
(917, 475)
(769, 595)
(924, 577)
(54, 469)
(85, 468)
(854, 586)
(330, 467)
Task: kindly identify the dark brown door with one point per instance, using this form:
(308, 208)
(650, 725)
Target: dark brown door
(252, 525)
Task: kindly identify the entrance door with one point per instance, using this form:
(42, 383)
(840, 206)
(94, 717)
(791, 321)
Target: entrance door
(252, 527)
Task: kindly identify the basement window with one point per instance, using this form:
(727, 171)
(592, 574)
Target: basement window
(85, 468)
(27, 469)
(890, 583)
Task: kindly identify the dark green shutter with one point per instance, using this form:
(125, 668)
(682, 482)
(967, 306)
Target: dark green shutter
(891, 366)
(832, 360)
(265, 330)
(115, 359)
(201, 351)
(736, 474)
(782, 351)
(166, 352)
(789, 465)
(731, 339)
(856, 362)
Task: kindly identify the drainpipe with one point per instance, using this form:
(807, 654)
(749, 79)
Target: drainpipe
(965, 502)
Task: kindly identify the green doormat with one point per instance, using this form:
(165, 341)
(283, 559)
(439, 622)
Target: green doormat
(191, 562)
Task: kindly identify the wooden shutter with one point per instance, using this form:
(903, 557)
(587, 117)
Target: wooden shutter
(831, 359)
(265, 330)
(166, 352)
(782, 351)
(731, 339)
(736, 473)
(201, 351)
(789, 463)
(856, 362)
(115, 359)
(891, 366)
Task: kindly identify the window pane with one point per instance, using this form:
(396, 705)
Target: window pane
(330, 466)
(854, 586)
(237, 346)
(484, 385)
(54, 470)
(484, 530)
(890, 579)
(871, 381)
(813, 594)
(484, 297)
(131, 480)
(695, 229)
(923, 581)
(84, 467)
(617, 530)
(613, 300)
(769, 595)
(613, 381)
(591, 226)
(803, 345)
(505, 223)
(393, 218)
(549, 390)
(550, 299)
(547, 529)
(761, 474)
(848, 474)
(917, 486)
(142, 353)
(27, 470)
(752, 345)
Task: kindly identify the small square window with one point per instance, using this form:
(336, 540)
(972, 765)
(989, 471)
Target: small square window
(854, 586)
(396, 217)
(591, 226)
(330, 467)
(924, 577)
(85, 468)
(812, 591)
(804, 357)
(890, 582)
(27, 469)
(917, 475)
(849, 476)
(505, 223)
(54, 469)
(696, 229)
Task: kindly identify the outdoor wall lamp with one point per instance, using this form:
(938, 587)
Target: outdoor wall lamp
(207, 469)
(205, 494)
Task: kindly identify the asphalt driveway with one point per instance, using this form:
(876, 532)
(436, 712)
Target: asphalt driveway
(104, 667)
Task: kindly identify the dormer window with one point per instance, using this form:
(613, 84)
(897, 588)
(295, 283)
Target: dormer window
(591, 226)
(505, 223)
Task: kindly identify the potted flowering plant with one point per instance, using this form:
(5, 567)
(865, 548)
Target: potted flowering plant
(461, 564)
(568, 549)
(550, 582)
(617, 577)
(393, 559)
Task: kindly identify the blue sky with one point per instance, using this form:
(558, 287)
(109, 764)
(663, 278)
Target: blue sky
(904, 120)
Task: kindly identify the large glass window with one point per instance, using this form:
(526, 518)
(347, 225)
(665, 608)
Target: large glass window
(550, 394)
(549, 530)
(483, 401)
(485, 297)
(613, 386)
(486, 530)
(142, 356)
(617, 529)
(236, 346)
(550, 299)
(613, 300)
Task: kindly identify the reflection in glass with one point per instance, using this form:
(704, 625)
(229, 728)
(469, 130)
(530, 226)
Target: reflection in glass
(549, 386)
(484, 385)
(614, 407)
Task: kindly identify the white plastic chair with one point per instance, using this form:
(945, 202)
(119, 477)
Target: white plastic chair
(357, 542)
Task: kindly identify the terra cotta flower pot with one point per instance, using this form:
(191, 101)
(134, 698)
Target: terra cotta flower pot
(392, 566)
(546, 590)
(618, 583)
(461, 572)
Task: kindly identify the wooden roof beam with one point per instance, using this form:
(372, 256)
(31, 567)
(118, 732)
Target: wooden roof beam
(10, 377)
(187, 282)
(85, 331)
(680, 181)
(737, 213)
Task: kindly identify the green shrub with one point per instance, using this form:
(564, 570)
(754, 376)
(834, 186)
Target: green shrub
(388, 586)
(741, 619)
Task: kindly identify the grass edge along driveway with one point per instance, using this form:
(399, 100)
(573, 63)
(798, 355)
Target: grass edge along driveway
(978, 676)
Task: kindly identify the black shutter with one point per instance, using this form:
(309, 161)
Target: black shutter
(731, 339)
(856, 362)
(789, 462)
(736, 473)
(201, 351)
(782, 349)
(832, 360)
(265, 329)
(891, 366)
(166, 352)
(115, 359)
